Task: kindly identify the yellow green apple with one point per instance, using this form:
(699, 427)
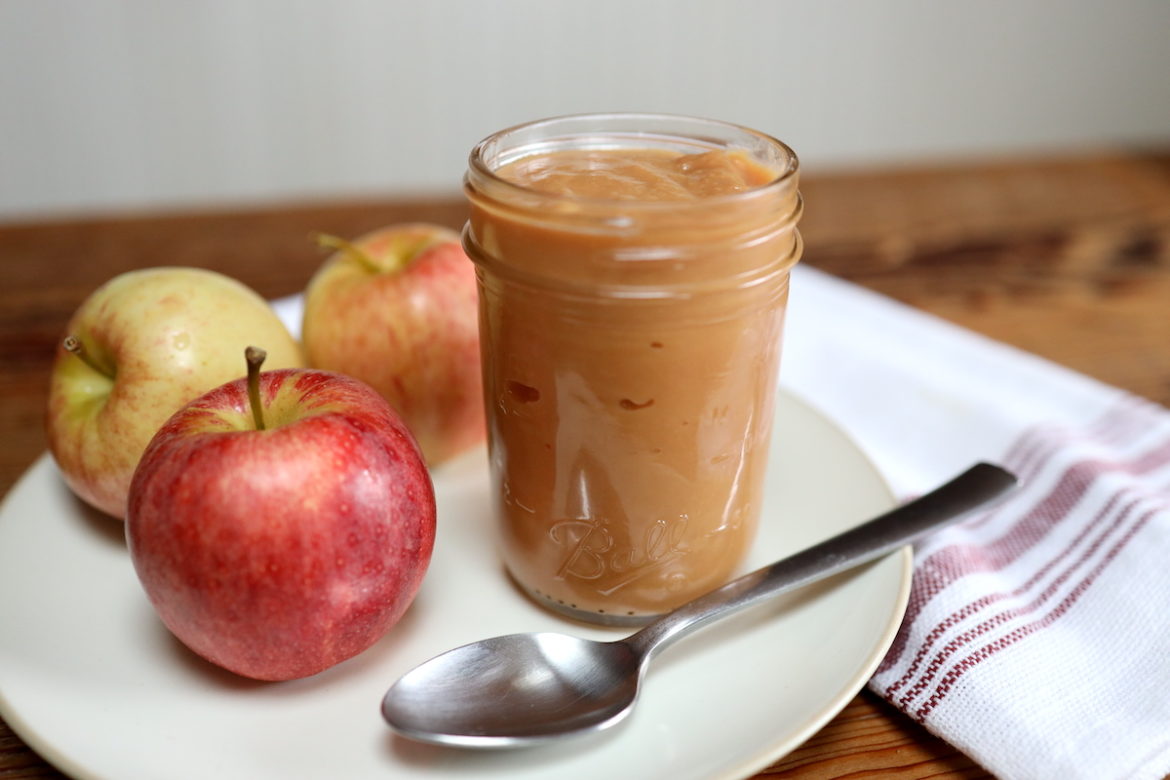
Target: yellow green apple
(140, 347)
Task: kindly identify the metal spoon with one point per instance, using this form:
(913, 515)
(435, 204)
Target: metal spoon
(523, 689)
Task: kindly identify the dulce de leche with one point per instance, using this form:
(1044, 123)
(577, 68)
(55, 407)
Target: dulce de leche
(633, 278)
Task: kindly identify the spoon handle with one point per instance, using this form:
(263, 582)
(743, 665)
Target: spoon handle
(866, 542)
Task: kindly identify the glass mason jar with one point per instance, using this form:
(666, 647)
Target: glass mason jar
(630, 352)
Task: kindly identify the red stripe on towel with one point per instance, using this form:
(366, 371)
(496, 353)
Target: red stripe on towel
(960, 642)
(947, 683)
(948, 564)
(991, 598)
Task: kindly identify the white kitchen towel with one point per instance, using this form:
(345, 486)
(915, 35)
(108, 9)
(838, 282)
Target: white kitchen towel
(1037, 637)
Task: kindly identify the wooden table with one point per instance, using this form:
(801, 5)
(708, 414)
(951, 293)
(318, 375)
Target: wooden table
(1066, 257)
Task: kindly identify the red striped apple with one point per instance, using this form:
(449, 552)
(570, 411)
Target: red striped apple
(142, 345)
(397, 309)
(281, 524)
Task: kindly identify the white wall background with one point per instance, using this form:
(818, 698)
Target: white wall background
(156, 104)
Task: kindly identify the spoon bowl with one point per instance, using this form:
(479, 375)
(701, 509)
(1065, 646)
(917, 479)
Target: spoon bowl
(525, 689)
(472, 696)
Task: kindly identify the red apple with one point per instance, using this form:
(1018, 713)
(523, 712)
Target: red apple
(397, 309)
(279, 536)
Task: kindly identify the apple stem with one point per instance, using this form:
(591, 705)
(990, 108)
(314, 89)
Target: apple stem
(351, 250)
(73, 345)
(255, 357)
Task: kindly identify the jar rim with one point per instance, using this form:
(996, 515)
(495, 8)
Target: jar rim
(596, 126)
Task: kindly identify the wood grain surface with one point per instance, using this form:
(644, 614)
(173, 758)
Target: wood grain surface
(1065, 257)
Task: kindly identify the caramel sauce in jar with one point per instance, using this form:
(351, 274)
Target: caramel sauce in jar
(633, 275)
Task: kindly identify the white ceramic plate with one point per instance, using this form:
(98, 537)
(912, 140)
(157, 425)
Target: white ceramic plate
(93, 681)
